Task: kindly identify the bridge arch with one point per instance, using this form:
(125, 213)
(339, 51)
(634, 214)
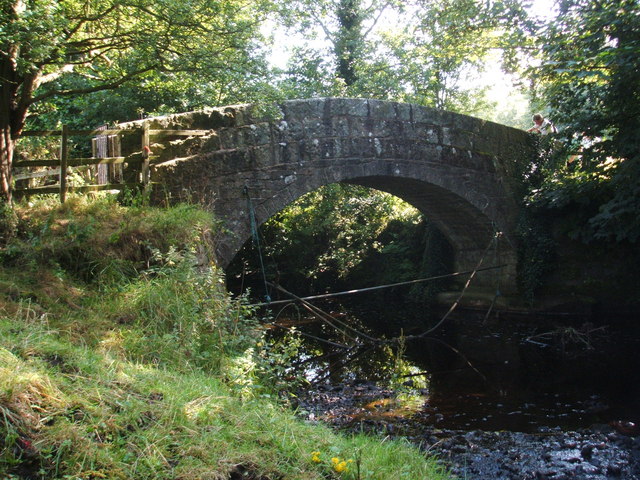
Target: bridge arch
(458, 170)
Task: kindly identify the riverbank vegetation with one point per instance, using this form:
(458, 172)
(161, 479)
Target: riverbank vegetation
(122, 356)
(582, 193)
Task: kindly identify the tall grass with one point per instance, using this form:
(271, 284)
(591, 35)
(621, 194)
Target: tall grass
(119, 354)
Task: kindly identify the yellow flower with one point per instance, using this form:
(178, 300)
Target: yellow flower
(315, 457)
(340, 467)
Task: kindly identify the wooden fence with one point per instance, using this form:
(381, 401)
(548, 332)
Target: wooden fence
(106, 155)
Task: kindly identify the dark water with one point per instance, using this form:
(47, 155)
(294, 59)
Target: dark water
(495, 374)
(493, 399)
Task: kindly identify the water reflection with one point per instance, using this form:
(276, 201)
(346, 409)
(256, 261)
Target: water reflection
(474, 374)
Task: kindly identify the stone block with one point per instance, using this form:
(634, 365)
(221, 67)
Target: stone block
(427, 115)
(238, 160)
(343, 147)
(211, 143)
(218, 118)
(404, 112)
(364, 147)
(309, 150)
(229, 138)
(336, 106)
(258, 133)
(262, 156)
(296, 110)
(381, 109)
(424, 152)
(316, 128)
(427, 131)
(361, 147)
(390, 148)
(358, 108)
(339, 127)
(327, 148)
(351, 169)
(237, 114)
(410, 130)
(287, 152)
(467, 123)
(381, 128)
(457, 138)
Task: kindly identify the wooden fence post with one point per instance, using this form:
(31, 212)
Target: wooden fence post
(145, 173)
(64, 158)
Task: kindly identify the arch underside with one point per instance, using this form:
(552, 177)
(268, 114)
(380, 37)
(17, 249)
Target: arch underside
(476, 239)
(467, 228)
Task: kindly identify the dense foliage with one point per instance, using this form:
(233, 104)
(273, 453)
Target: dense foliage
(318, 240)
(50, 50)
(591, 80)
(418, 51)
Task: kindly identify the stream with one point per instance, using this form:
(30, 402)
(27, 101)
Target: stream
(492, 398)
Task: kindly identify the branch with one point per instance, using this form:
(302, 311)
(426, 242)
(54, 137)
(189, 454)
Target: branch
(109, 85)
(375, 21)
(28, 86)
(168, 20)
(50, 77)
(70, 33)
(101, 15)
(85, 20)
(326, 31)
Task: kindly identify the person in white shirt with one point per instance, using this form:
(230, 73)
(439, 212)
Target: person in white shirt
(542, 126)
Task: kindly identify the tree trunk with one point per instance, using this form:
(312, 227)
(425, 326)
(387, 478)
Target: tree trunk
(7, 145)
(9, 87)
(349, 40)
(16, 93)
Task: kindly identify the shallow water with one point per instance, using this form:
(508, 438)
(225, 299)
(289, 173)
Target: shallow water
(493, 375)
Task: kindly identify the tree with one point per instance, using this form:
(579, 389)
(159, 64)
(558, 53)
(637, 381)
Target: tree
(154, 94)
(319, 239)
(416, 51)
(61, 49)
(437, 45)
(454, 39)
(591, 80)
(346, 26)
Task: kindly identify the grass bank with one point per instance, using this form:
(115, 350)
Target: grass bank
(122, 356)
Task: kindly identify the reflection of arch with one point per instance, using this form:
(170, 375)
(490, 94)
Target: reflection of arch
(457, 170)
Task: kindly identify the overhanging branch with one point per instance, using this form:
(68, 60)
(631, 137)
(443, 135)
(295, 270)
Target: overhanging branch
(108, 85)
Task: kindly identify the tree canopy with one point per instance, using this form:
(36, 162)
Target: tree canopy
(590, 77)
(51, 49)
(417, 51)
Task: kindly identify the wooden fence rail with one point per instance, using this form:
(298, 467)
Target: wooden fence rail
(140, 165)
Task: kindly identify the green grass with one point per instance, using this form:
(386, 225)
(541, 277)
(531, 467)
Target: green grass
(132, 362)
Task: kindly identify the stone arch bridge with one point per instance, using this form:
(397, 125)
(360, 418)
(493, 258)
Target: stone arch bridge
(459, 171)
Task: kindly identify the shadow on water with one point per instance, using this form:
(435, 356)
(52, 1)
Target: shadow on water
(522, 375)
